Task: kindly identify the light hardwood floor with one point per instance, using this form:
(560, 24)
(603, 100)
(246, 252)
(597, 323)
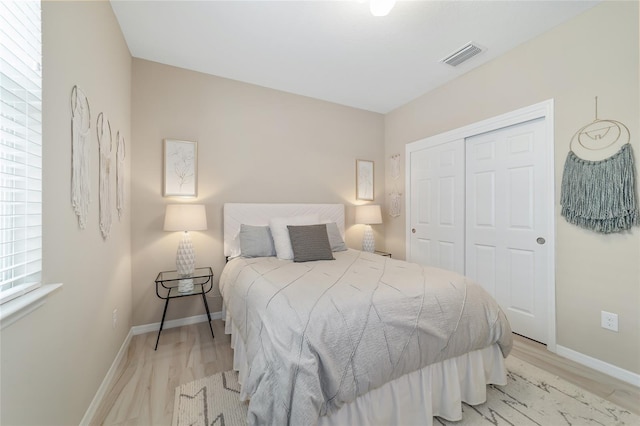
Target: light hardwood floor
(144, 388)
(602, 385)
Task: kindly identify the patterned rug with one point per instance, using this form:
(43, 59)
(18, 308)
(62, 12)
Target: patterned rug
(531, 397)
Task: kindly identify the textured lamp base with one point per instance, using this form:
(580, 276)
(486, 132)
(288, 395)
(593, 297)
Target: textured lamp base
(186, 285)
(185, 263)
(368, 242)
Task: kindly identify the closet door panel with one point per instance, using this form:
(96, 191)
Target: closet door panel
(436, 216)
(505, 216)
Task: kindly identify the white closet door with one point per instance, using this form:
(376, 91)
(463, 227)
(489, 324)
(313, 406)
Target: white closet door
(506, 222)
(437, 206)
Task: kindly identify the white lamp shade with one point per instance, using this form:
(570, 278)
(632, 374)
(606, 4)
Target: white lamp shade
(185, 217)
(369, 214)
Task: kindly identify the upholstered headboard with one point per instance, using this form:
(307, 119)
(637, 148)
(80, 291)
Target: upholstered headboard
(236, 214)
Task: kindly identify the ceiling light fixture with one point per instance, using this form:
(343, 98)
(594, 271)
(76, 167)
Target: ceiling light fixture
(381, 7)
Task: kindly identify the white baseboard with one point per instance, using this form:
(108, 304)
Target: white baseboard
(598, 365)
(102, 390)
(141, 329)
(138, 329)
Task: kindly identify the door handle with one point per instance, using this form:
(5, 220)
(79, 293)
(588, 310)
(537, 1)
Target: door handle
(540, 240)
(413, 230)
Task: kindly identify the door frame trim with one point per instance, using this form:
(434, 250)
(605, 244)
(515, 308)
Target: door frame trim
(544, 110)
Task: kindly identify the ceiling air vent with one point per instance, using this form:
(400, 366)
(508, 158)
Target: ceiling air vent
(466, 52)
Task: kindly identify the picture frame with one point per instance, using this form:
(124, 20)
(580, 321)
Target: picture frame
(364, 180)
(180, 168)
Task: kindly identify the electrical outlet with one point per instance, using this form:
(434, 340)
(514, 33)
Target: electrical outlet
(114, 318)
(609, 320)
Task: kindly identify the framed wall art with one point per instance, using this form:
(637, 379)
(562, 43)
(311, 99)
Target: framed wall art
(364, 180)
(180, 168)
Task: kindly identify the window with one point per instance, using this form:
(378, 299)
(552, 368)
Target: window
(20, 148)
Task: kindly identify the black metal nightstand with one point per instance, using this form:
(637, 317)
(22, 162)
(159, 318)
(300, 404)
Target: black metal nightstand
(382, 253)
(167, 288)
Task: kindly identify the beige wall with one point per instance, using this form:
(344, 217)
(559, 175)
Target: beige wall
(595, 54)
(254, 145)
(54, 359)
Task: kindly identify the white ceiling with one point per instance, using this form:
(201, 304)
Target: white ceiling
(334, 50)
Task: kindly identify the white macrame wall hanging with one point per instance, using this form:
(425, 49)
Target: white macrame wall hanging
(395, 166)
(395, 204)
(80, 154)
(120, 156)
(105, 146)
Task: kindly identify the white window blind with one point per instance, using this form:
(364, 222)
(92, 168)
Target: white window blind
(20, 148)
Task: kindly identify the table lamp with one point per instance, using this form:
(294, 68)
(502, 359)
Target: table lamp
(368, 215)
(185, 217)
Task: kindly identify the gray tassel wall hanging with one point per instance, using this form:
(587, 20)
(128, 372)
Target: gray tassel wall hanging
(601, 195)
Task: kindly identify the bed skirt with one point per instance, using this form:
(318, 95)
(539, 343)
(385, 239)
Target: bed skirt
(413, 399)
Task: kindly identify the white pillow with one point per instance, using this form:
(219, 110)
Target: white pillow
(280, 233)
(234, 246)
(335, 239)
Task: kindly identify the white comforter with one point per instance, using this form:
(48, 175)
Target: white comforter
(319, 334)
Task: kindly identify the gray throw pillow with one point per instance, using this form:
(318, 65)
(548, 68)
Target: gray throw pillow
(256, 241)
(335, 239)
(310, 242)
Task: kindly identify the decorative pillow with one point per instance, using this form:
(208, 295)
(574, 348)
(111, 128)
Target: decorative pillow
(280, 234)
(310, 243)
(335, 239)
(256, 241)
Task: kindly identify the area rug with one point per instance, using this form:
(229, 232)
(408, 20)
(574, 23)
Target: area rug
(531, 397)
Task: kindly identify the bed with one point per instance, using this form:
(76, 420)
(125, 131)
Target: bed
(356, 338)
